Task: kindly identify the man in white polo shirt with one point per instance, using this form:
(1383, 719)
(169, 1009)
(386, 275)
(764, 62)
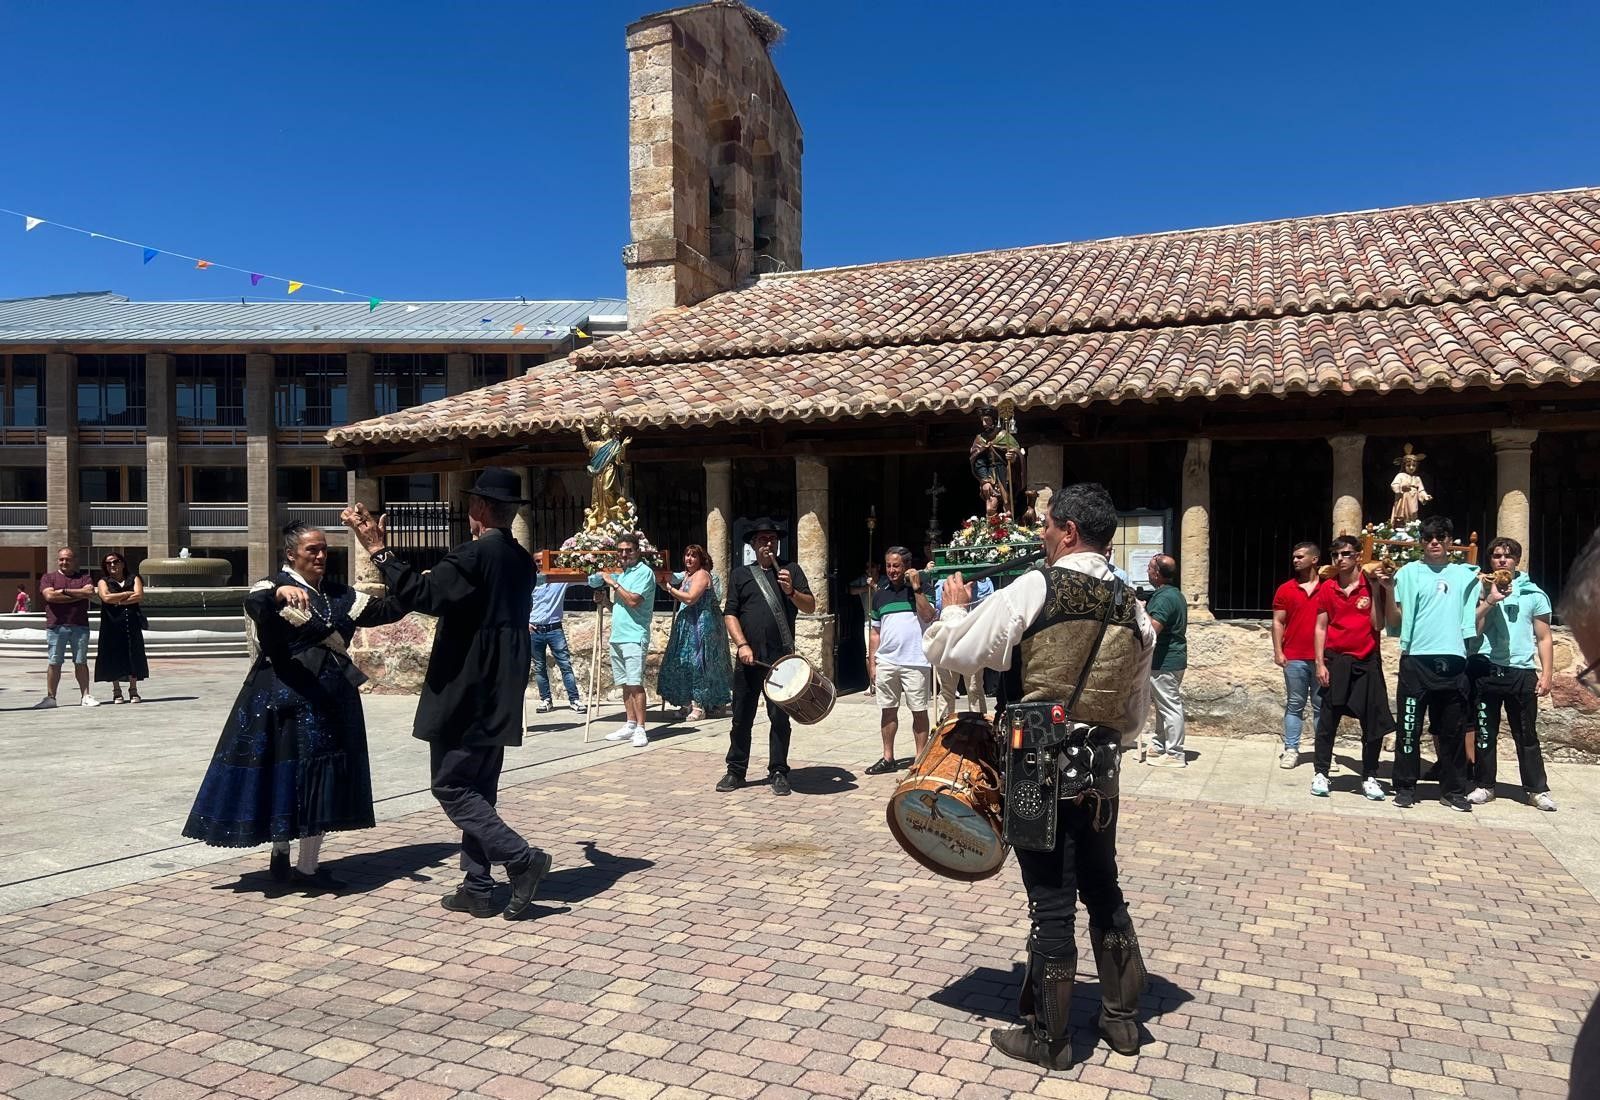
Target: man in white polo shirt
(895, 661)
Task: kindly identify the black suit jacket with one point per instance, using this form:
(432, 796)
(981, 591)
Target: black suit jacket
(478, 670)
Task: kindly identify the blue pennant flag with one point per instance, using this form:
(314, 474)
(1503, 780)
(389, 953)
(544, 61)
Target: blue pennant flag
(149, 254)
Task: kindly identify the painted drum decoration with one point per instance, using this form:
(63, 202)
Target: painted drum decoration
(946, 811)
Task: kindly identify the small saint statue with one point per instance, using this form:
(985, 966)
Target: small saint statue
(609, 491)
(1409, 493)
(993, 453)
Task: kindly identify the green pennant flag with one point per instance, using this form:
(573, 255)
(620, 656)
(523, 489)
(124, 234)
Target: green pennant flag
(373, 303)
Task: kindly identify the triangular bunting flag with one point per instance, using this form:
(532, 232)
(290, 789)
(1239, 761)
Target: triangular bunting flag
(581, 334)
(255, 280)
(485, 320)
(294, 286)
(373, 303)
(31, 223)
(515, 329)
(412, 309)
(201, 265)
(149, 254)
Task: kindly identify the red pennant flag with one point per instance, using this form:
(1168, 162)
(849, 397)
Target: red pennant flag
(201, 265)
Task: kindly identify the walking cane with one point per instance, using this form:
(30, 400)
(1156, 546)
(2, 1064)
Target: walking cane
(600, 601)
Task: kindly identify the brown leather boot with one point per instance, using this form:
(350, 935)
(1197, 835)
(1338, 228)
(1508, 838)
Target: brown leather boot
(1122, 981)
(1045, 1037)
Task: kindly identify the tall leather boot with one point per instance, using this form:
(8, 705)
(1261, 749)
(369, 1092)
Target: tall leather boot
(1045, 1037)
(1122, 980)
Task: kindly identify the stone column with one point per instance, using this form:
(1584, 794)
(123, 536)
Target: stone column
(1347, 482)
(1046, 470)
(164, 491)
(811, 554)
(363, 574)
(1513, 461)
(1194, 539)
(458, 379)
(358, 403)
(719, 509)
(261, 473)
(521, 529)
(61, 455)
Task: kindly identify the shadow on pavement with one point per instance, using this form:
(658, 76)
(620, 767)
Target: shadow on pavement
(571, 884)
(821, 779)
(361, 872)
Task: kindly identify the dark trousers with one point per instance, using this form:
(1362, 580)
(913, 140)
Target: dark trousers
(466, 781)
(1082, 864)
(747, 681)
(1514, 690)
(1365, 701)
(1431, 687)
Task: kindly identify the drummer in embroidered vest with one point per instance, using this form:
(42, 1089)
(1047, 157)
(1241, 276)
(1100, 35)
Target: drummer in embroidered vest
(1071, 620)
(292, 759)
(763, 601)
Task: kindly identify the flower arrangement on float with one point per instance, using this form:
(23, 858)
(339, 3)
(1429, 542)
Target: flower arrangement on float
(988, 540)
(1403, 544)
(592, 551)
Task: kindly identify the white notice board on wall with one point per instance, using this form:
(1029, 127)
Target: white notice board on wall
(1141, 535)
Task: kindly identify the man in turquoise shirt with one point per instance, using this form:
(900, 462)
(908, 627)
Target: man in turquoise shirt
(633, 587)
(1511, 665)
(1432, 604)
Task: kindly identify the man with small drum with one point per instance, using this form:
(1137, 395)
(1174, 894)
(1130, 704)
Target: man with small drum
(763, 601)
(1072, 622)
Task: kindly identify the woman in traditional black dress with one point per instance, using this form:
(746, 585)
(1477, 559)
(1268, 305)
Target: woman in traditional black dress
(120, 654)
(292, 760)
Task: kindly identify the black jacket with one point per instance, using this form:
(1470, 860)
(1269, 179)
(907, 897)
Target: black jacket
(478, 670)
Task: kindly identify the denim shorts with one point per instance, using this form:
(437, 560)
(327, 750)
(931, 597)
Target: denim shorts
(57, 640)
(627, 664)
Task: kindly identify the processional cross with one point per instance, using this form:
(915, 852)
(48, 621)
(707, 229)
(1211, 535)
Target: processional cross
(934, 492)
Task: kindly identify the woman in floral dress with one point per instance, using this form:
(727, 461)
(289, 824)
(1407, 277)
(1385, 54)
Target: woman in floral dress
(696, 672)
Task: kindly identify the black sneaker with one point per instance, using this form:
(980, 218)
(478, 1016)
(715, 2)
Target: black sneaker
(279, 867)
(780, 784)
(1456, 802)
(465, 901)
(524, 883)
(730, 782)
(1405, 799)
(882, 767)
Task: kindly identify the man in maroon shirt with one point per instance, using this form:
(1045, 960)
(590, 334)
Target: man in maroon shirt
(1294, 619)
(1349, 664)
(66, 593)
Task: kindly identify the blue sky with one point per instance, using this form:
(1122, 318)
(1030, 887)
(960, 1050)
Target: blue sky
(416, 149)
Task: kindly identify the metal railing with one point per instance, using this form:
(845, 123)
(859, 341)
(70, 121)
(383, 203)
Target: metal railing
(211, 436)
(316, 514)
(217, 517)
(110, 436)
(21, 437)
(116, 516)
(301, 436)
(24, 515)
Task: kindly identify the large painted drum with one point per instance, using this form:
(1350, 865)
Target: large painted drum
(800, 688)
(946, 811)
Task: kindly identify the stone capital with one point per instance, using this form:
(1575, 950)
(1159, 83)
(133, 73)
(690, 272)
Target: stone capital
(1513, 439)
(1346, 442)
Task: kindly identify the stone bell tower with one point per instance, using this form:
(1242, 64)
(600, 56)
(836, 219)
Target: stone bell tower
(713, 156)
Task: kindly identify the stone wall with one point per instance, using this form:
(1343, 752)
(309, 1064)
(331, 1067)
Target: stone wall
(1233, 689)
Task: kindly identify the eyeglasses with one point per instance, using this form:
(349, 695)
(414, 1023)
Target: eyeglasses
(1590, 679)
(1433, 539)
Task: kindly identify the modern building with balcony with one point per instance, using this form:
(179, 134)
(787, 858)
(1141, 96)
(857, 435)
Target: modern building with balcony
(148, 427)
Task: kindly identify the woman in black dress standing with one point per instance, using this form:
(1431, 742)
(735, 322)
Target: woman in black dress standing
(120, 654)
(292, 759)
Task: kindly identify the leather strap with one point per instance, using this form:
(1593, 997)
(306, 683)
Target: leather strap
(764, 582)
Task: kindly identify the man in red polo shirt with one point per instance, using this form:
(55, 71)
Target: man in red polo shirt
(1294, 620)
(1350, 667)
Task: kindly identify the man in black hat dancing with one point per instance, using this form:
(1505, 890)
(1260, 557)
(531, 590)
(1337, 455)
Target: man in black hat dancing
(471, 705)
(763, 600)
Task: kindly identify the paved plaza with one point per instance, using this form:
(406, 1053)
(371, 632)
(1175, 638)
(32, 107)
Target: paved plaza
(691, 944)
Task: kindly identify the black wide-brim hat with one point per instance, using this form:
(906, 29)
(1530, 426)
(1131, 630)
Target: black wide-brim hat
(499, 483)
(747, 529)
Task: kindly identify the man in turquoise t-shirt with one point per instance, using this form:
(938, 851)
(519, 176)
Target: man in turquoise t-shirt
(634, 588)
(1169, 614)
(1431, 605)
(1511, 665)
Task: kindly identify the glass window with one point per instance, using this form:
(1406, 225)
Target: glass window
(99, 484)
(22, 483)
(401, 381)
(294, 483)
(22, 391)
(111, 391)
(209, 390)
(332, 485)
(310, 391)
(489, 368)
(218, 485)
(409, 487)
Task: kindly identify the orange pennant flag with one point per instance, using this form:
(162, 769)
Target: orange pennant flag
(201, 265)
(294, 286)
(517, 328)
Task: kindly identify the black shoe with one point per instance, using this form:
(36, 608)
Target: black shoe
(882, 767)
(319, 880)
(1029, 1043)
(1456, 802)
(465, 901)
(1406, 798)
(730, 782)
(780, 784)
(524, 883)
(279, 867)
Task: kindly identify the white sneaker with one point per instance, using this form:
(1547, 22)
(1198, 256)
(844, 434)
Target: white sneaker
(46, 703)
(545, 707)
(1543, 801)
(640, 737)
(1481, 795)
(1373, 789)
(579, 705)
(90, 701)
(1319, 785)
(1288, 758)
(623, 734)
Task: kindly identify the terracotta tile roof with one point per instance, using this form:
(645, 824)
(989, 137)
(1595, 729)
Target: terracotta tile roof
(1479, 294)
